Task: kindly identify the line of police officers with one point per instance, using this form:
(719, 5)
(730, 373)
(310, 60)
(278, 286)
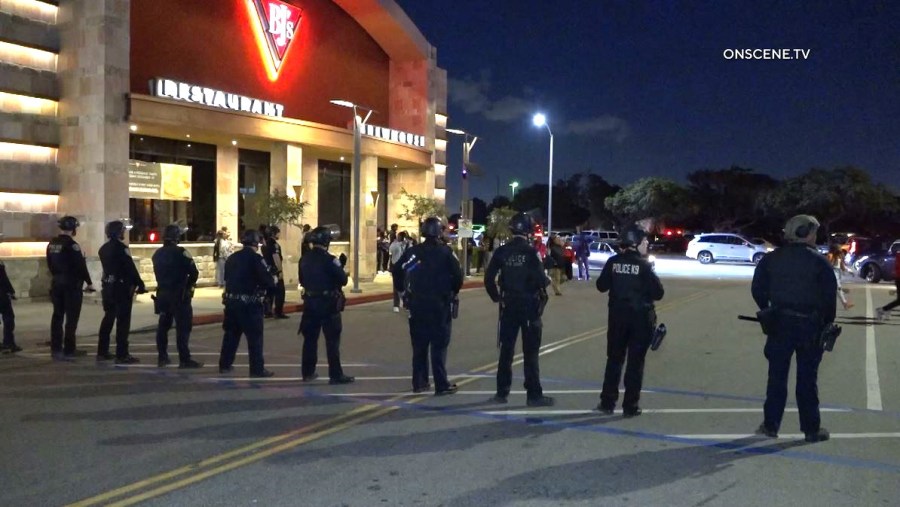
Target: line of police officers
(794, 282)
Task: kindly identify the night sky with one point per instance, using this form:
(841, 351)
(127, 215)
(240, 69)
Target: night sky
(642, 88)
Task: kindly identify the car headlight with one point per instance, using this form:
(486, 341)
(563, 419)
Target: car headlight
(768, 249)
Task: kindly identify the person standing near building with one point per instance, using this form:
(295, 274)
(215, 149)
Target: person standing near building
(221, 250)
(396, 251)
(322, 276)
(247, 279)
(582, 254)
(69, 274)
(176, 275)
(7, 295)
(430, 277)
(633, 287)
(522, 294)
(797, 285)
(119, 283)
(275, 262)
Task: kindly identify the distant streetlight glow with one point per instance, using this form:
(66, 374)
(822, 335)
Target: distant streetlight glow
(514, 185)
(540, 120)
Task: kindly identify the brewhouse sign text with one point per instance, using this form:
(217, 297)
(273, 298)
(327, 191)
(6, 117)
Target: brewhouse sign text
(169, 89)
(394, 135)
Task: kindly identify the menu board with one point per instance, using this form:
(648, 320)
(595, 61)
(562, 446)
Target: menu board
(152, 180)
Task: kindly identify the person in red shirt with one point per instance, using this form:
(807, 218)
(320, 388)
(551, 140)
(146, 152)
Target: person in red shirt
(884, 313)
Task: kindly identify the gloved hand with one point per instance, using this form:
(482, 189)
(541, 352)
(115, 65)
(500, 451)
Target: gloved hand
(90, 288)
(343, 260)
(12, 295)
(141, 290)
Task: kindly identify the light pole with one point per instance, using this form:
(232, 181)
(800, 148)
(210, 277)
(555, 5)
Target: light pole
(358, 124)
(468, 143)
(541, 121)
(514, 185)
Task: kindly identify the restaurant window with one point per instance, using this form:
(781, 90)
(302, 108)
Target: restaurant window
(170, 182)
(253, 185)
(334, 198)
(381, 210)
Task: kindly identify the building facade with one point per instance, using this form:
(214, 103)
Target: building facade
(193, 112)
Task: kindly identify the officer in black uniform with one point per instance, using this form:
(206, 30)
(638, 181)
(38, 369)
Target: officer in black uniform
(429, 276)
(798, 284)
(176, 275)
(7, 295)
(322, 277)
(522, 294)
(633, 287)
(120, 280)
(247, 278)
(69, 271)
(275, 262)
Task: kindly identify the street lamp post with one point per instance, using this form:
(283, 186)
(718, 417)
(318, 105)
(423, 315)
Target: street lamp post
(358, 124)
(468, 143)
(541, 121)
(514, 185)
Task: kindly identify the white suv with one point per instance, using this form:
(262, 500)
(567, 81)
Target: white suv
(721, 246)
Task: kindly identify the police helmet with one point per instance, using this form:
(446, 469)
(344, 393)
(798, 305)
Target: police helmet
(250, 238)
(319, 236)
(432, 227)
(521, 224)
(172, 233)
(633, 236)
(798, 228)
(115, 230)
(68, 223)
(274, 230)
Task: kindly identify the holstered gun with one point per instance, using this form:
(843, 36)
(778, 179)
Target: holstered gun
(767, 319)
(543, 297)
(829, 336)
(454, 306)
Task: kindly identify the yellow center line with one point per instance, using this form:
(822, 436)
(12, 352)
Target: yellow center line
(310, 432)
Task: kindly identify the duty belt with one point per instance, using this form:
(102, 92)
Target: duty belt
(318, 293)
(110, 279)
(243, 298)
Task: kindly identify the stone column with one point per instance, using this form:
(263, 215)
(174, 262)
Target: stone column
(414, 181)
(368, 230)
(227, 190)
(287, 171)
(94, 76)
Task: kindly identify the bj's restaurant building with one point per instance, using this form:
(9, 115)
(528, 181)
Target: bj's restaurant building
(191, 112)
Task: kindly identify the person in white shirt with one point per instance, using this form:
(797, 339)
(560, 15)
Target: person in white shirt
(221, 250)
(396, 251)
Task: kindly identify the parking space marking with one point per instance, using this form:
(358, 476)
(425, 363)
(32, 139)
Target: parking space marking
(873, 387)
(782, 436)
(653, 411)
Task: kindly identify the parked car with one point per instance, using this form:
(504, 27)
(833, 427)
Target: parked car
(722, 246)
(607, 236)
(601, 251)
(876, 266)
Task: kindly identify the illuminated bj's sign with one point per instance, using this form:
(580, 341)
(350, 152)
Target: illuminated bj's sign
(279, 22)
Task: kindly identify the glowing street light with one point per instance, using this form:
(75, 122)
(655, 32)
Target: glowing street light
(514, 185)
(540, 120)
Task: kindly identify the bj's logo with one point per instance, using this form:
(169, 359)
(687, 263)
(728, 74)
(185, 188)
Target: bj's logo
(279, 22)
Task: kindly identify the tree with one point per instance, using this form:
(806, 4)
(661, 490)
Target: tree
(279, 208)
(649, 198)
(498, 223)
(594, 200)
(418, 208)
(479, 211)
(727, 199)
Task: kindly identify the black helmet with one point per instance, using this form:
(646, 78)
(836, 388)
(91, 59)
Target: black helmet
(632, 236)
(273, 230)
(68, 223)
(172, 233)
(521, 224)
(250, 238)
(432, 227)
(319, 236)
(263, 230)
(115, 230)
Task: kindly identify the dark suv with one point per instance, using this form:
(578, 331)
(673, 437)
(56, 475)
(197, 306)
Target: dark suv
(878, 265)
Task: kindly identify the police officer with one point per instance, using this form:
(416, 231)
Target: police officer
(120, 280)
(429, 276)
(176, 275)
(522, 294)
(633, 287)
(799, 285)
(69, 274)
(247, 279)
(322, 276)
(275, 262)
(7, 295)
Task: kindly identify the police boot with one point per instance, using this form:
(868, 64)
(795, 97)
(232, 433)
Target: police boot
(190, 364)
(263, 374)
(632, 412)
(451, 389)
(818, 436)
(105, 357)
(606, 409)
(343, 379)
(766, 431)
(127, 360)
(541, 401)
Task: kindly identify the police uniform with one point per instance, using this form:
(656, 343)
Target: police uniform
(431, 277)
(69, 274)
(120, 279)
(633, 287)
(247, 279)
(274, 296)
(799, 285)
(176, 275)
(521, 294)
(7, 293)
(322, 278)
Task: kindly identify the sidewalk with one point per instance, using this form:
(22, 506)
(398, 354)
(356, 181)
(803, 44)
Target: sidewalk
(33, 317)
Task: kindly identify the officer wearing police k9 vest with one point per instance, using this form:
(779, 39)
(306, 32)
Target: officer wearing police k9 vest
(322, 276)
(429, 276)
(69, 271)
(633, 287)
(247, 279)
(120, 283)
(176, 275)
